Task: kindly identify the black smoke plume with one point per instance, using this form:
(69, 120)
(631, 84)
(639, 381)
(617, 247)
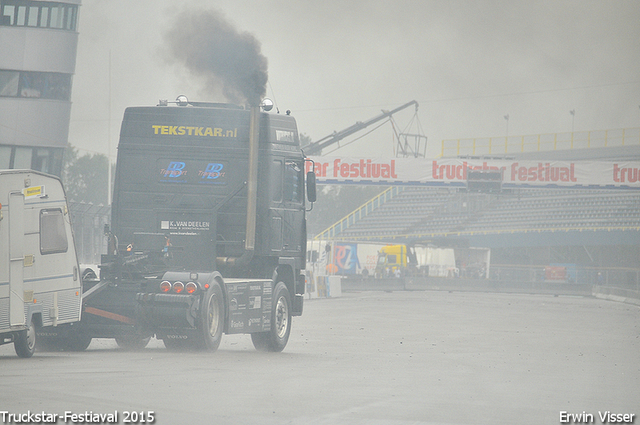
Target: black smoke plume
(212, 48)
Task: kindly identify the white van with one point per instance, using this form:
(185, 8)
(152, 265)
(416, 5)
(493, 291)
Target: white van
(40, 284)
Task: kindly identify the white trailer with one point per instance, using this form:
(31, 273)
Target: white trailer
(40, 284)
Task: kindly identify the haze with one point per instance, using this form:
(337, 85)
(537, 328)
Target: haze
(468, 64)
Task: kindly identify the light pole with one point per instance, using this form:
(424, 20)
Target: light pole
(109, 138)
(506, 139)
(573, 120)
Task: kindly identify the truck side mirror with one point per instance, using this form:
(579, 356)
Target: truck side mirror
(311, 186)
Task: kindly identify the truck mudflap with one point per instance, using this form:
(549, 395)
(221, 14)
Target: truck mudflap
(167, 311)
(298, 304)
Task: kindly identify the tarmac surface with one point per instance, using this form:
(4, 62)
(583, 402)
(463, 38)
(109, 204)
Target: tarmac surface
(429, 357)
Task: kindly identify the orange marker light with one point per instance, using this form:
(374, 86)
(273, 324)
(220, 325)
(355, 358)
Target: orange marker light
(191, 288)
(165, 286)
(178, 287)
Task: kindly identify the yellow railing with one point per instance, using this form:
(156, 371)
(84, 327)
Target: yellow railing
(359, 213)
(541, 142)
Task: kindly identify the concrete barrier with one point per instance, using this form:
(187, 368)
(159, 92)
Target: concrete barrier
(325, 287)
(356, 284)
(617, 294)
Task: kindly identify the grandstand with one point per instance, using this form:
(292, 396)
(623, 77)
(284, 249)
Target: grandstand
(423, 213)
(590, 227)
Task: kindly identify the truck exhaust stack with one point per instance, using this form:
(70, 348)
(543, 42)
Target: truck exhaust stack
(252, 179)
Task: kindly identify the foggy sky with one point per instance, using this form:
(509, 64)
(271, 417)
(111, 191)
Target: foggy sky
(468, 64)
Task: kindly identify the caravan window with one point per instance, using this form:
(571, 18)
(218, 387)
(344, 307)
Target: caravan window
(53, 237)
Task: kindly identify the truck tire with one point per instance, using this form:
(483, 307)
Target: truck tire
(76, 342)
(67, 340)
(132, 342)
(211, 319)
(176, 344)
(25, 343)
(276, 339)
(48, 343)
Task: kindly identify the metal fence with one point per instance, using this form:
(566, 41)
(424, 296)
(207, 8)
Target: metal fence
(88, 221)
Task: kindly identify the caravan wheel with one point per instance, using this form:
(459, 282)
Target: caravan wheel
(25, 343)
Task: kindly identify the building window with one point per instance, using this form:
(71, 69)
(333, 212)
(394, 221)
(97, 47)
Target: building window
(5, 157)
(43, 85)
(22, 158)
(22, 13)
(47, 160)
(53, 237)
(9, 83)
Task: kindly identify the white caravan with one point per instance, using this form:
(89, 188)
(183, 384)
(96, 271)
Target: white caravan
(39, 281)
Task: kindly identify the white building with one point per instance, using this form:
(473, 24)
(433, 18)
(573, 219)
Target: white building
(38, 43)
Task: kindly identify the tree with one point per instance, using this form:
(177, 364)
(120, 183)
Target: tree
(85, 177)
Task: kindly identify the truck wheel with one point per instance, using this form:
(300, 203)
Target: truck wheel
(176, 344)
(211, 319)
(25, 343)
(47, 346)
(276, 339)
(76, 342)
(132, 342)
(48, 343)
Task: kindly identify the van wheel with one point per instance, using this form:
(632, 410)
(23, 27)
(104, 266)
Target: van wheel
(25, 343)
(89, 274)
(211, 319)
(276, 339)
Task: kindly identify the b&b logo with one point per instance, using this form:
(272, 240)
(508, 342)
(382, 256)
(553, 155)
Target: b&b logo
(175, 170)
(213, 171)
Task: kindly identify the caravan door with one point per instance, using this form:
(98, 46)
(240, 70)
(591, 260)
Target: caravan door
(16, 259)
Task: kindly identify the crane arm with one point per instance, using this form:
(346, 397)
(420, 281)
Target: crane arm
(317, 146)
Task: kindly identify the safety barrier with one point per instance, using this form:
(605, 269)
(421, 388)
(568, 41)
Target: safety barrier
(616, 284)
(323, 286)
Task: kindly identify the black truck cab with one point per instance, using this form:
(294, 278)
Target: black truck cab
(189, 257)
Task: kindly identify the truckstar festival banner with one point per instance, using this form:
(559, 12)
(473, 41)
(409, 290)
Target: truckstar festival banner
(453, 172)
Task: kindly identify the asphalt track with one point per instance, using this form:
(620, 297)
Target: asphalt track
(366, 358)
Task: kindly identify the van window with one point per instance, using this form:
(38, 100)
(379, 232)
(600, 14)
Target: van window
(53, 237)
